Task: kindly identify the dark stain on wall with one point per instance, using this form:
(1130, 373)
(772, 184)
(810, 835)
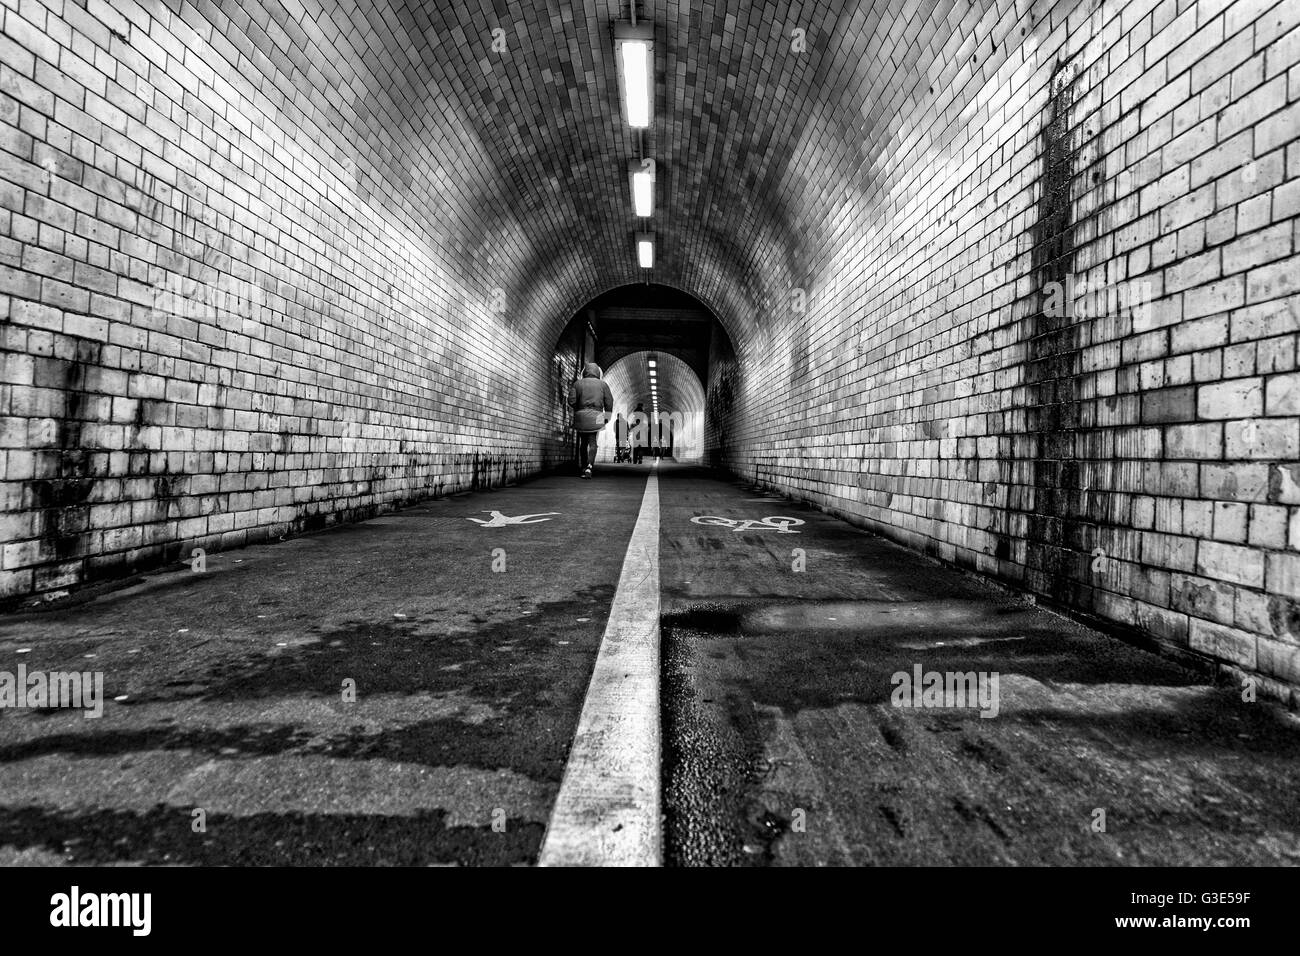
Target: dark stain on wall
(719, 398)
(799, 359)
(62, 501)
(1054, 535)
(461, 472)
(479, 468)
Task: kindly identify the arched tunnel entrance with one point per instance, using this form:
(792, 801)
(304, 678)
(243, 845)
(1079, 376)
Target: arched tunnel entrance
(657, 347)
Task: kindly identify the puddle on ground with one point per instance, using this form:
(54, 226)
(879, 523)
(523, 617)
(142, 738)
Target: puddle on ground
(848, 615)
(958, 642)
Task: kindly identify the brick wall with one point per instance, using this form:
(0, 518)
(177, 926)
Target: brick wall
(235, 303)
(1133, 457)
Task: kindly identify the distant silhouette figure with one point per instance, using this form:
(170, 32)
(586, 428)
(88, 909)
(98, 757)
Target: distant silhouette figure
(638, 430)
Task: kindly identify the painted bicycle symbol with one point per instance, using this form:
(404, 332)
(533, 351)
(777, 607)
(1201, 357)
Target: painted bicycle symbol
(777, 523)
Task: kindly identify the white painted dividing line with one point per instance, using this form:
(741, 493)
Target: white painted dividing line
(607, 811)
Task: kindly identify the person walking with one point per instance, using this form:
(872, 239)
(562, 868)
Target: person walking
(639, 429)
(592, 404)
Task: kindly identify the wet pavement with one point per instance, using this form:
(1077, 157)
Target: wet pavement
(231, 733)
(783, 745)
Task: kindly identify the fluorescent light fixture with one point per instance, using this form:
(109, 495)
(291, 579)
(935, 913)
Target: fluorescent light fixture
(641, 173)
(645, 249)
(634, 50)
(651, 363)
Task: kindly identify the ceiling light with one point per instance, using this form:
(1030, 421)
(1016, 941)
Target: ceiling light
(645, 249)
(642, 175)
(650, 362)
(634, 50)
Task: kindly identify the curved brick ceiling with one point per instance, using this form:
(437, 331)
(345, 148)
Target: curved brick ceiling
(517, 158)
(548, 112)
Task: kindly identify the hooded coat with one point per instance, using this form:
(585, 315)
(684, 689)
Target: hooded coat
(591, 400)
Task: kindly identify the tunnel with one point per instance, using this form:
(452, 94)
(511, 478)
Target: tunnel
(646, 338)
(986, 308)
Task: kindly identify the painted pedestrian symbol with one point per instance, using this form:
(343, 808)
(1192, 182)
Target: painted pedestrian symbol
(498, 520)
(778, 523)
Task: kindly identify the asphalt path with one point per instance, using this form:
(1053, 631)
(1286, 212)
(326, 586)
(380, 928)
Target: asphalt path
(407, 691)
